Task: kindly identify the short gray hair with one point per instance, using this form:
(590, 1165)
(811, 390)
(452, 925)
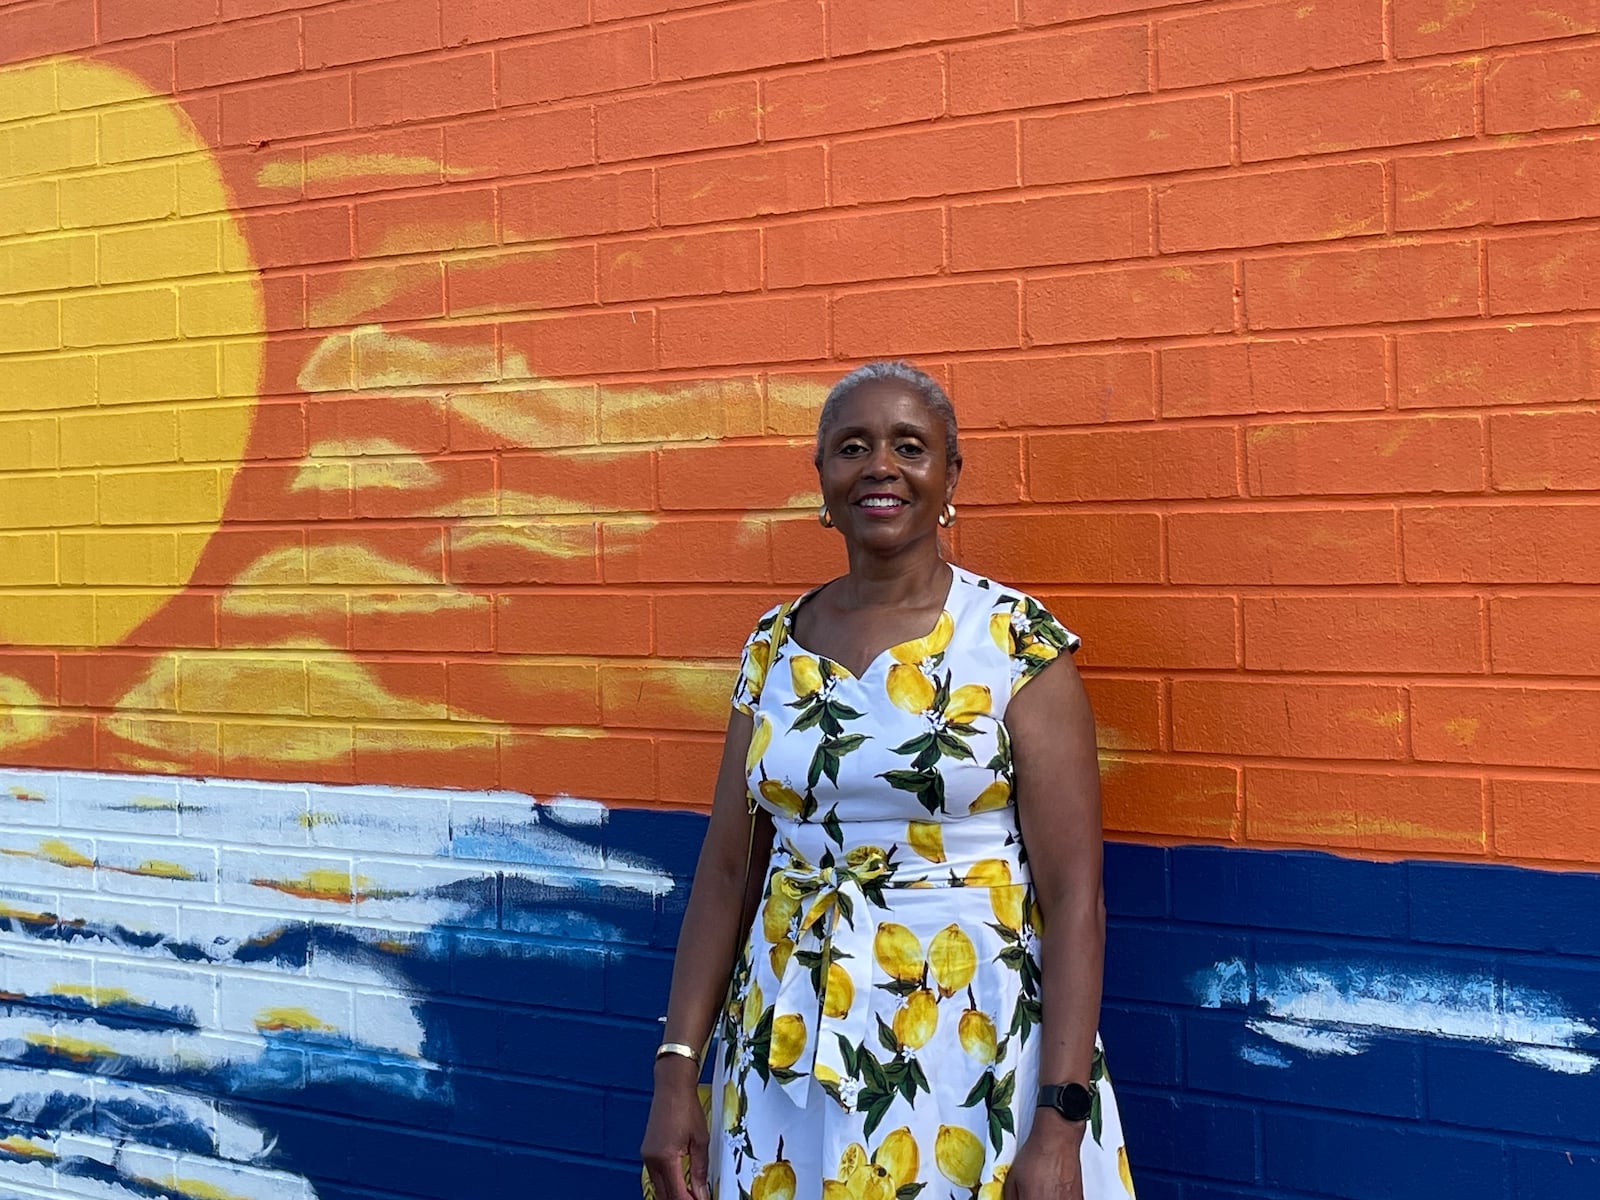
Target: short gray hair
(919, 383)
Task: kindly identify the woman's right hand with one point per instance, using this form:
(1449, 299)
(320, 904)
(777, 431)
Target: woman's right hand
(676, 1129)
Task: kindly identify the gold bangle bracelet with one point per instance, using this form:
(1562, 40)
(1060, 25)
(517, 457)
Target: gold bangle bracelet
(680, 1049)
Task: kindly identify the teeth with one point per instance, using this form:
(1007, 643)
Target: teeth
(879, 502)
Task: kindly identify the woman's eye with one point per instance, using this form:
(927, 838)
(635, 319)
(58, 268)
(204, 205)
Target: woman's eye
(910, 448)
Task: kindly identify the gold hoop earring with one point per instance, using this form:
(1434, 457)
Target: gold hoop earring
(824, 517)
(948, 517)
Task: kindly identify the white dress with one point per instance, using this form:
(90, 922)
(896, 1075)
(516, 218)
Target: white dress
(880, 1038)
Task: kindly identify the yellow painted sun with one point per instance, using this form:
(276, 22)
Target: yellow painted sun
(131, 337)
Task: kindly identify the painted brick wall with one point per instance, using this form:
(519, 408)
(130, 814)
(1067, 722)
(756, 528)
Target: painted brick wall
(413, 394)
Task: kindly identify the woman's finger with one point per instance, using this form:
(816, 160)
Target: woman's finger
(698, 1162)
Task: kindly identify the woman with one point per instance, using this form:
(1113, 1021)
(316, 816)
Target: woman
(926, 954)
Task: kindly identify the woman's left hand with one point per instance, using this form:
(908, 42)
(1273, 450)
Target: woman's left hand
(1047, 1165)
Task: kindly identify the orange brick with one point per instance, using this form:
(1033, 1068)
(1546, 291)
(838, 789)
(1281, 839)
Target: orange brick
(584, 204)
(681, 264)
(947, 316)
(1503, 543)
(1325, 546)
(1388, 813)
(1514, 726)
(419, 757)
(1547, 89)
(1301, 720)
(1076, 389)
(524, 693)
(1556, 819)
(186, 620)
(604, 60)
(686, 769)
(671, 122)
(772, 34)
(351, 33)
(581, 343)
(487, 20)
(151, 63)
(1052, 68)
(101, 680)
(991, 471)
(869, 95)
(421, 621)
(874, 245)
(1146, 137)
(595, 766)
(1063, 547)
(1539, 364)
(373, 555)
(1311, 205)
(1150, 630)
(858, 25)
(925, 162)
(1324, 374)
(687, 697)
(1359, 287)
(524, 144)
(299, 236)
(400, 688)
(803, 552)
(457, 219)
(37, 30)
(1051, 230)
(1500, 186)
(1543, 635)
(1127, 712)
(683, 410)
(1170, 799)
(1365, 458)
(563, 415)
(375, 292)
(734, 476)
(1549, 273)
(1130, 302)
(237, 52)
(583, 482)
(708, 624)
(315, 620)
(129, 18)
(158, 746)
(1271, 39)
(1134, 464)
(270, 493)
(376, 162)
(1545, 451)
(1439, 26)
(608, 623)
(513, 552)
(251, 557)
(38, 671)
(1355, 112)
(296, 752)
(1378, 634)
(432, 87)
(683, 551)
(735, 332)
(545, 278)
(416, 486)
(753, 184)
(294, 108)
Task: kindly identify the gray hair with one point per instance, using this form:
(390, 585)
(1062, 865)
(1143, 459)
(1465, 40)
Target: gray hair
(919, 383)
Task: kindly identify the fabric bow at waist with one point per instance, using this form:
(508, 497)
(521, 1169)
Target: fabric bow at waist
(822, 986)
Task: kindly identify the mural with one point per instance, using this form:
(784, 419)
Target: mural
(404, 408)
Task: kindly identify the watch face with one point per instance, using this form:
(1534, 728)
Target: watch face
(1072, 1100)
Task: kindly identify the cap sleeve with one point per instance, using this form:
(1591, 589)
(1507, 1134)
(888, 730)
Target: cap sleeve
(1034, 638)
(754, 662)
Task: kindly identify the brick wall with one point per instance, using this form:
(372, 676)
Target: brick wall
(414, 394)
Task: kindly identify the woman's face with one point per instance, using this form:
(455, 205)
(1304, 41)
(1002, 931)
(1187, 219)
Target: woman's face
(884, 475)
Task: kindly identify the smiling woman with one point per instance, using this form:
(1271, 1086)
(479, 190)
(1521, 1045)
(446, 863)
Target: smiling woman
(122, 327)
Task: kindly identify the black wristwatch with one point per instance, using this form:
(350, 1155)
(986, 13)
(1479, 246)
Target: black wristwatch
(1072, 1100)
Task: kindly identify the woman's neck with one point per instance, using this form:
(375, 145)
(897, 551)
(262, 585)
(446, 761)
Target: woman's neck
(918, 577)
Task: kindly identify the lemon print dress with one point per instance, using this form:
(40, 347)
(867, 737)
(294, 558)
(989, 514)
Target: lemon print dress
(880, 1040)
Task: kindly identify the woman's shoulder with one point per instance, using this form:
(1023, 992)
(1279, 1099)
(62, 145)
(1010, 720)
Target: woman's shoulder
(1003, 606)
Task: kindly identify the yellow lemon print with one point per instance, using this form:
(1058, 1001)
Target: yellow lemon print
(730, 1106)
(756, 673)
(958, 1155)
(953, 958)
(898, 951)
(899, 1156)
(775, 1181)
(776, 914)
(806, 675)
(788, 1039)
(1041, 651)
(910, 689)
(785, 799)
(977, 1036)
(988, 872)
(927, 839)
(840, 993)
(918, 649)
(752, 1008)
(996, 795)
(967, 701)
(1009, 903)
(760, 739)
(1123, 1169)
(1000, 633)
(916, 1019)
(778, 957)
(995, 1188)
